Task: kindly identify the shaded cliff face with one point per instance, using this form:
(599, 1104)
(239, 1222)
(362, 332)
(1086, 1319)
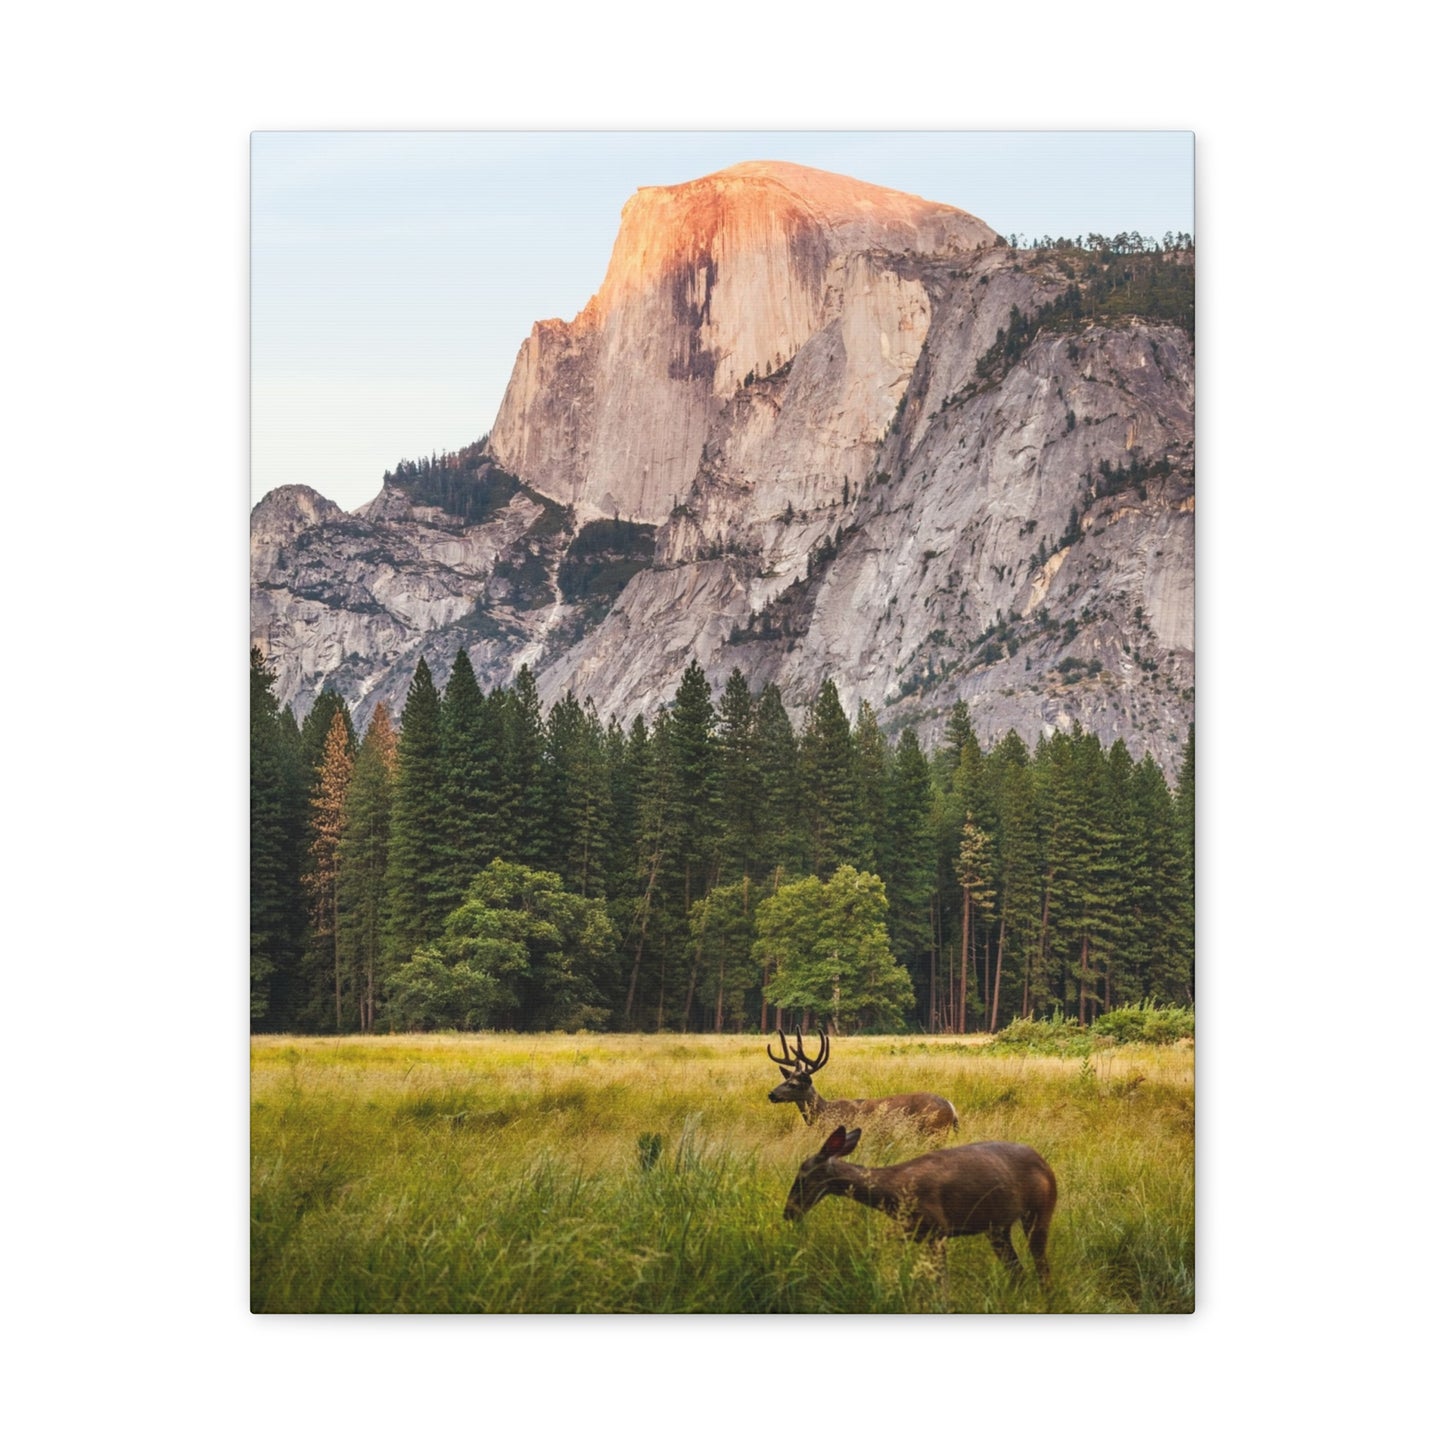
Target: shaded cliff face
(808, 428)
(352, 601)
(710, 283)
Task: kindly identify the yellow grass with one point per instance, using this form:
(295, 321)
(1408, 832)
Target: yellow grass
(406, 1172)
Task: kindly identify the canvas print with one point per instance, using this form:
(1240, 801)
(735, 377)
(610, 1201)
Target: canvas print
(721, 723)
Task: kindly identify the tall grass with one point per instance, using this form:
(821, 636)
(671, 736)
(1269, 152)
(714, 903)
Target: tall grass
(647, 1173)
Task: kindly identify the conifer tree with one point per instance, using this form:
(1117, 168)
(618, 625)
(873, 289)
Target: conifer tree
(1082, 868)
(525, 785)
(907, 868)
(976, 882)
(739, 778)
(626, 766)
(1128, 886)
(277, 811)
(328, 814)
(416, 871)
(828, 784)
(870, 786)
(1019, 874)
(292, 985)
(468, 833)
(579, 796)
(958, 734)
(662, 817)
(1184, 833)
(361, 881)
(1158, 894)
(650, 762)
(697, 828)
(780, 841)
(498, 803)
(315, 730)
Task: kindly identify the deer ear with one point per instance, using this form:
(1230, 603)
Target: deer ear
(838, 1142)
(851, 1142)
(783, 1071)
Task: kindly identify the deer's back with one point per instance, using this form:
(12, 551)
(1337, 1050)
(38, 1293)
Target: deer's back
(932, 1111)
(972, 1188)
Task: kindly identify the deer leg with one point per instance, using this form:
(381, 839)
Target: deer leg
(998, 1236)
(1038, 1228)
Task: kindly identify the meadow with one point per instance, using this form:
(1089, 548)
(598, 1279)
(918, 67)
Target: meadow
(624, 1173)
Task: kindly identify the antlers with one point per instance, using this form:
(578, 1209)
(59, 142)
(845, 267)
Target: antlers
(794, 1059)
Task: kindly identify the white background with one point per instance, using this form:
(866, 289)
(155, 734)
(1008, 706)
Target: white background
(125, 400)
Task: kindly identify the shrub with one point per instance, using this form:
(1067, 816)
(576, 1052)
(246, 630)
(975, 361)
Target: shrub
(1144, 1023)
(1056, 1035)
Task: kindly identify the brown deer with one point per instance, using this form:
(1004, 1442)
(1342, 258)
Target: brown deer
(970, 1189)
(928, 1111)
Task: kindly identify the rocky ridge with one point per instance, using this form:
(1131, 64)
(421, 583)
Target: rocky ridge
(792, 398)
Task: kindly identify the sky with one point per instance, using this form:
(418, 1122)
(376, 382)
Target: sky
(395, 274)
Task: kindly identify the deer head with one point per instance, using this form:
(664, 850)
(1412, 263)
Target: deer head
(797, 1070)
(817, 1172)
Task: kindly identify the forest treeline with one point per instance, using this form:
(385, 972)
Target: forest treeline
(481, 862)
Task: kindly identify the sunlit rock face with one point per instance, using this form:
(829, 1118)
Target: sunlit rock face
(711, 283)
(779, 382)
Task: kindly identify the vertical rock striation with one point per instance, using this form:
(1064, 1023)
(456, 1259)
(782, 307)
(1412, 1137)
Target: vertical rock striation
(710, 283)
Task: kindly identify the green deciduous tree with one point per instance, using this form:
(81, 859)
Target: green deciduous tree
(720, 935)
(826, 947)
(520, 952)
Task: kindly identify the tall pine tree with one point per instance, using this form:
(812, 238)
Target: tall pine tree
(739, 779)
(328, 816)
(780, 847)
(361, 880)
(907, 867)
(828, 784)
(468, 839)
(1019, 869)
(697, 827)
(278, 908)
(416, 866)
(525, 787)
(870, 785)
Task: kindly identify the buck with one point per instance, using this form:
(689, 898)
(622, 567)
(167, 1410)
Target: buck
(969, 1189)
(928, 1111)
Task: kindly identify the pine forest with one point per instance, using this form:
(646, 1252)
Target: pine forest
(482, 863)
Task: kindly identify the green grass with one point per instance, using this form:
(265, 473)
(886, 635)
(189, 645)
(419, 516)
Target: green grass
(513, 1173)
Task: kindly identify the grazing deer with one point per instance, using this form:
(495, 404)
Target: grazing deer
(928, 1111)
(970, 1189)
